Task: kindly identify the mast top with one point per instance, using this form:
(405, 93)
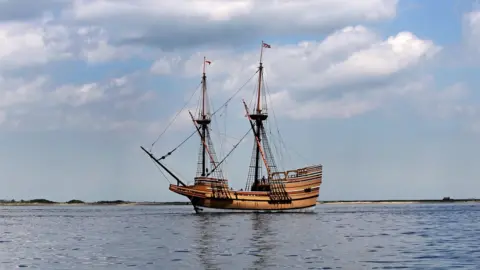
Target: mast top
(203, 118)
(264, 45)
(205, 61)
(259, 114)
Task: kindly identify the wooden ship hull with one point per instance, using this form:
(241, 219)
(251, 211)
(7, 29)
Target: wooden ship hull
(297, 191)
(276, 191)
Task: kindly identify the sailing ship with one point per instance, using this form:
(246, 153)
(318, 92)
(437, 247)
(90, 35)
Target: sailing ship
(294, 190)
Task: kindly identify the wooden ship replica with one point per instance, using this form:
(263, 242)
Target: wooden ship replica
(295, 190)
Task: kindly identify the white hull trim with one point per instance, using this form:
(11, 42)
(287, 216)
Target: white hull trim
(202, 209)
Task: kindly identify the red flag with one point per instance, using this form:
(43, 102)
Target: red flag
(265, 45)
(208, 62)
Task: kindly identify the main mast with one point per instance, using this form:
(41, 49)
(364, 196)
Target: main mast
(258, 116)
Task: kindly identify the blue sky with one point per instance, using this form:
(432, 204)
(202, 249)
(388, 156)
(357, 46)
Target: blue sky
(381, 92)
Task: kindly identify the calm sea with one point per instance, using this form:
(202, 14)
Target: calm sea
(415, 236)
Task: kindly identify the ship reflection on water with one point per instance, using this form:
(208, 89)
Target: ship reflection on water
(262, 246)
(205, 241)
(216, 244)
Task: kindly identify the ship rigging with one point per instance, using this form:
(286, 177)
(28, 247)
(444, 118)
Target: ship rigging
(275, 192)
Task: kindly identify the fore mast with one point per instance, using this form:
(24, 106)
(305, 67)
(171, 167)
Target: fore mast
(204, 119)
(202, 122)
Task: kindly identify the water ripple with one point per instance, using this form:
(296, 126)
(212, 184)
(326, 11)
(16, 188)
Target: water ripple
(335, 237)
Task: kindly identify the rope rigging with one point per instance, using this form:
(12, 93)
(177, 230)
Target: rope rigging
(220, 132)
(225, 139)
(158, 168)
(230, 99)
(231, 151)
(185, 105)
(184, 141)
(174, 118)
(280, 137)
(277, 150)
(215, 122)
(204, 126)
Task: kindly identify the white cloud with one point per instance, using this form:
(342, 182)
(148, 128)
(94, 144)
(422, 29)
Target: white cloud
(16, 91)
(3, 117)
(472, 29)
(38, 42)
(103, 52)
(15, 10)
(25, 44)
(98, 38)
(39, 91)
(469, 51)
(118, 92)
(226, 10)
(345, 107)
(95, 48)
(40, 104)
(132, 104)
(383, 58)
(452, 101)
(165, 65)
(348, 104)
(79, 95)
(348, 55)
(187, 23)
(350, 72)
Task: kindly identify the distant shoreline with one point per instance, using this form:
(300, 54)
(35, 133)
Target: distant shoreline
(44, 202)
(400, 201)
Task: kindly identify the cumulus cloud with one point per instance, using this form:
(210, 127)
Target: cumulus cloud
(89, 30)
(165, 65)
(189, 23)
(79, 95)
(383, 58)
(348, 54)
(93, 46)
(41, 41)
(26, 44)
(17, 91)
(448, 102)
(350, 72)
(16, 10)
(40, 103)
(471, 28)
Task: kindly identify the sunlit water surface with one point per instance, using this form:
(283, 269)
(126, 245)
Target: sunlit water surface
(410, 236)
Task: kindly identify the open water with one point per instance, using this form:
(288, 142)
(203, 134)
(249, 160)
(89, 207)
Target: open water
(410, 236)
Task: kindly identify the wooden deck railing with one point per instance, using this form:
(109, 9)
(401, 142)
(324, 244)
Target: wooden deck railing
(297, 172)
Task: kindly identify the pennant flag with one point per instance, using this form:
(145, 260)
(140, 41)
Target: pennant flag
(208, 62)
(265, 45)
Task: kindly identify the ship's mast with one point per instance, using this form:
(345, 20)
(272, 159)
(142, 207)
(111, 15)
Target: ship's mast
(204, 120)
(258, 116)
(260, 73)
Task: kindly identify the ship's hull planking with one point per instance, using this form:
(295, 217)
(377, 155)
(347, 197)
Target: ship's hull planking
(211, 195)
